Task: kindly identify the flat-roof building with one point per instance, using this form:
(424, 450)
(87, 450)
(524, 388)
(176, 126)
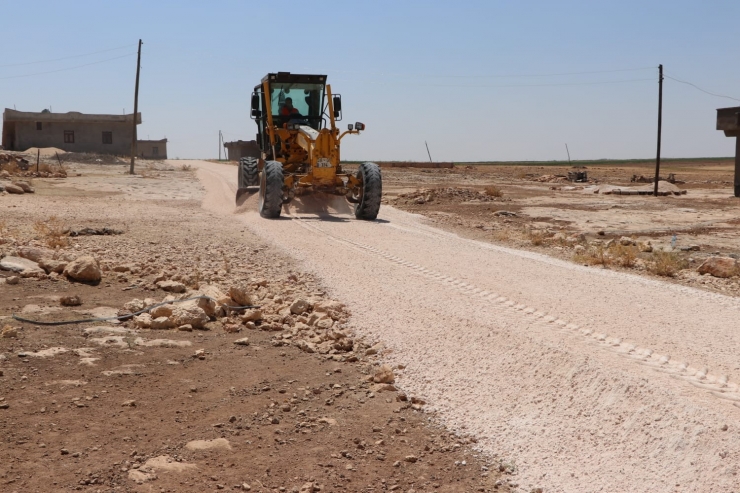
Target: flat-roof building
(71, 131)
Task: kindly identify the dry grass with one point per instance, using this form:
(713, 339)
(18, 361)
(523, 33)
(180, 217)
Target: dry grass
(596, 255)
(536, 237)
(624, 256)
(666, 264)
(11, 167)
(186, 167)
(53, 231)
(494, 191)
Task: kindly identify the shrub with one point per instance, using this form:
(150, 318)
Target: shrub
(53, 231)
(494, 191)
(666, 264)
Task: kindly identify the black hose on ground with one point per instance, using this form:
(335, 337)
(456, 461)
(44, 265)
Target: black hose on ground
(124, 317)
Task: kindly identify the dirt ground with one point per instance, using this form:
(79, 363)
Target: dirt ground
(537, 208)
(113, 407)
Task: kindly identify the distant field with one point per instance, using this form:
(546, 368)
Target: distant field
(593, 162)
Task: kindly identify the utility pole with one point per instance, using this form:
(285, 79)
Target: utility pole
(566, 150)
(136, 110)
(430, 154)
(660, 126)
(220, 139)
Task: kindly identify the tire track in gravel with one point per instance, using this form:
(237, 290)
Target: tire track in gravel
(563, 369)
(718, 385)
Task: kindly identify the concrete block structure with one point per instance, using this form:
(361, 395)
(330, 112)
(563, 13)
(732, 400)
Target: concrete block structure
(72, 131)
(241, 148)
(728, 120)
(151, 149)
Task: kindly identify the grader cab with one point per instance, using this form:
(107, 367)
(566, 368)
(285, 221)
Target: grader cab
(296, 118)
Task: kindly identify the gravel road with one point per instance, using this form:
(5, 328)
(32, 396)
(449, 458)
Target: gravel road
(586, 379)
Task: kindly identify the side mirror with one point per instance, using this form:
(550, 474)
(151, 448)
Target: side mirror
(255, 102)
(337, 106)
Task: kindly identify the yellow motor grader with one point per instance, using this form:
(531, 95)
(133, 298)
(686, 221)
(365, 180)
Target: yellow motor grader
(296, 116)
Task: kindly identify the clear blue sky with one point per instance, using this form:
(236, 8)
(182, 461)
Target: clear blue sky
(410, 70)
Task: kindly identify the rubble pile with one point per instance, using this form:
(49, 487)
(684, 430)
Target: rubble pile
(313, 324)
(453, 194)
(16, 165)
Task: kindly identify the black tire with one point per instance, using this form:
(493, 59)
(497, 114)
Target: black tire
(249, 175)
(271, 190)
(371, 189)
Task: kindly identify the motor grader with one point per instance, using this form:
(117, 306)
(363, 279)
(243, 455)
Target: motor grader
(299, 142)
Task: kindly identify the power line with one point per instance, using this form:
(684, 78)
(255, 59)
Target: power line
(493, 76)
(68, 68)
(523, 85)
(66, 57)
(700, 89)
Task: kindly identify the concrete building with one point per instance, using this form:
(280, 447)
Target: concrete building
(72, 131)
(152, 149)
(241, 148)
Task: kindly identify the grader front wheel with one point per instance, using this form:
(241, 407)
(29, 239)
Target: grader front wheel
(248, 172)
(371, 189)
(271, 190)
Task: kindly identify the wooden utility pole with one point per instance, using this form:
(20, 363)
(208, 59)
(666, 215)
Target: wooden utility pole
(136, 110)
(660, 126)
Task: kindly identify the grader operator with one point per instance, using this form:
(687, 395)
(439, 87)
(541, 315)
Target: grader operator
(299, 144)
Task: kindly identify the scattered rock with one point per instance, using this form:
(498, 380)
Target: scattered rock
(143, 321)
(384, 375)
(20, 265)
(300, 306)
(74, 300)
(627, 241)
(14, 189)
(129, 403)
(645, 246)
(9, 332)
(84, 269)
(12, 280)
(34, 253)
(25, 186)
(161, 323)
(52, 265)
(252, 315)
(218, 443)
(410, 458)
(244, 341)
(189, 315)
(720, 267)
(172, 286)
(239, 293)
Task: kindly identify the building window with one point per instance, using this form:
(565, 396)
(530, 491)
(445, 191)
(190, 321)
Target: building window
(155, 151)
(69, 137)
(107, 137)
(38, 125)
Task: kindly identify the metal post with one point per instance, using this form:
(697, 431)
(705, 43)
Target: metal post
(136, 110)
(219, 145)
(568, 151)
(737, 165)
(430, 155)
(38, 157)
(660, 126)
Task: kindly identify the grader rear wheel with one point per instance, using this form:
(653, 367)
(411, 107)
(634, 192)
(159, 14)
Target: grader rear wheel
(371, 189)
(271, 190)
